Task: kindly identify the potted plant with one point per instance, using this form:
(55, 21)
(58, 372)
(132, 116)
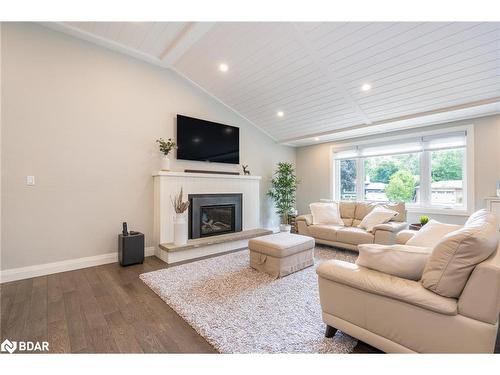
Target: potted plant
(165, 148)
(282, 192)
(424, 220)
(180, 222)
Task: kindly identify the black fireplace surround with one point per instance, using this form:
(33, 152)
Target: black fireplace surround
(214, 214)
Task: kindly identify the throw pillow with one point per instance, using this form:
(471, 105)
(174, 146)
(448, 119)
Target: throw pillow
(455, 256)
(431, 233)
(379, 215)
(326, 213)
(407, 262)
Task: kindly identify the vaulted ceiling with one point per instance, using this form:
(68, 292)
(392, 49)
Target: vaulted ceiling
(314, 72)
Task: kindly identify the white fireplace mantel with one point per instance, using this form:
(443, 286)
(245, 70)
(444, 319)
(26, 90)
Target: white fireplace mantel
(205, 175)
(168, 184)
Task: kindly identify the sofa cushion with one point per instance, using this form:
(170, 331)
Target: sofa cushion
(403, 261)
(326, 232)
(385, 285)
(354, 236)
(362, 209)
(326, 213)
(399, 207)
(455, 256)
(280, 245)
(347, 210)
(379, 215)
(431, 233)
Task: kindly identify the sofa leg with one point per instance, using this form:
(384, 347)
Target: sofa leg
(330, 331)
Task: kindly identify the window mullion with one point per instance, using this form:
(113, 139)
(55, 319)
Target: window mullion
(425, 179)
(360, 179)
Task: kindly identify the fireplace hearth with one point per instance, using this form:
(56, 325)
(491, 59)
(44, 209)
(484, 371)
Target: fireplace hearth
(214, 214)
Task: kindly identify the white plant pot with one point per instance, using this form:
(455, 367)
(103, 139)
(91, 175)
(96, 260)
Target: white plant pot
(285, 228)
(180, 229)
(165, 163)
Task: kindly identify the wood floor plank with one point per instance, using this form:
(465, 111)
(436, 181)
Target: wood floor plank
(100, 334)
(123, 333)
(58, 336)
(75, 320)
(36, 324)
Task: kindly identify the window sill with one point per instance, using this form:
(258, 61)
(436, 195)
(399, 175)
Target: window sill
(437, 211)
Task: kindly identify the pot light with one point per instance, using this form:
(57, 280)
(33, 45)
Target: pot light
(366, 87)
(280, 114)
(223, 67)
(316, 138)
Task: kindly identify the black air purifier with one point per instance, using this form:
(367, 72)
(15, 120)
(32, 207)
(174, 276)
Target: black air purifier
(131, 248)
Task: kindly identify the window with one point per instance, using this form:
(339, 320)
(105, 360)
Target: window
(348, 174)
(392, 178)
(447, 168)
(428, 171)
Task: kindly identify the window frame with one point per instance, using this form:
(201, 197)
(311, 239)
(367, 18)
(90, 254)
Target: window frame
(424, 205)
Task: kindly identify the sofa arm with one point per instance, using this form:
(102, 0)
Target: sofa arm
(404, 236)
(385, 234)
(375, 282)
(480, 298)
(391, 226)
(308, 218)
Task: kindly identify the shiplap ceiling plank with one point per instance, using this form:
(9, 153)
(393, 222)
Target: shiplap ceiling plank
(313, 72)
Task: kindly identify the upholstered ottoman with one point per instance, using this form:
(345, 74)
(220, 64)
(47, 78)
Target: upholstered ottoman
(281, 254)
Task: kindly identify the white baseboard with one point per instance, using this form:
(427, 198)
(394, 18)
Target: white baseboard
(14, 274)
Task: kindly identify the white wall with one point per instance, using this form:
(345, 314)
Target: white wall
(83, 121)
(313, 167)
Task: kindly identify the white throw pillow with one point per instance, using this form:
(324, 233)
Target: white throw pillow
(407, 262)
(326, 213)
(379, 215)
(431, 233)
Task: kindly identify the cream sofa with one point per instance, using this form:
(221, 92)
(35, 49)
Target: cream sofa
(400, 315)
(350, 236)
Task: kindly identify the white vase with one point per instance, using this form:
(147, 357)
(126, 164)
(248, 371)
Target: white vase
(285, 228)
(180, 229)
(165, 163)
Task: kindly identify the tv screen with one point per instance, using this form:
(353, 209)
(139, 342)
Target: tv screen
(203, 140)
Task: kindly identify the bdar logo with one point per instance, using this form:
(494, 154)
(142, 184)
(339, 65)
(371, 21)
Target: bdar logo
(8, 346)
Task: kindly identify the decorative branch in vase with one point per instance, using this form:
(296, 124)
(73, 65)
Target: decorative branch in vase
(165, 148)
(180, 223)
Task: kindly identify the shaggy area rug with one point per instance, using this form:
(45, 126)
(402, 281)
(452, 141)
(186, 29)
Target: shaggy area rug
(240, 310)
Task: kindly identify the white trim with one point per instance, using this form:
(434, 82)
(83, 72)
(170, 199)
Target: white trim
(21, 273)
(436, 211)
(183, 42)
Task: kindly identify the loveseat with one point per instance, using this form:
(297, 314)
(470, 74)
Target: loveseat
(350, 236)
(396, 314)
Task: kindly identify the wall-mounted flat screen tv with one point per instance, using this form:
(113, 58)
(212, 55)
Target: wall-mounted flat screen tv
(203, 140)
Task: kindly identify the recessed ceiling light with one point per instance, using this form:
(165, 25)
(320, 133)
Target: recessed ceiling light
(223, 67)
(280, 114)
(366, 87)
(316, 138)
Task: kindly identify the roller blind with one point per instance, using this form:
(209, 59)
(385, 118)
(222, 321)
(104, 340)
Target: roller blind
(410, 145)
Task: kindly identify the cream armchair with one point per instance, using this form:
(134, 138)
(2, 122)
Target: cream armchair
(399, 315)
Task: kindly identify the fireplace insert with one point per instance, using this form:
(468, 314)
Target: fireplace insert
(214, 214)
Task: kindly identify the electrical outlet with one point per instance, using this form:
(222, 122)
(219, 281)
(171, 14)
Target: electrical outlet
(30, 180)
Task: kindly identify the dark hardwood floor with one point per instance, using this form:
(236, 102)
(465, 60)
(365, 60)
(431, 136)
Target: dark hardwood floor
(103, 309)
